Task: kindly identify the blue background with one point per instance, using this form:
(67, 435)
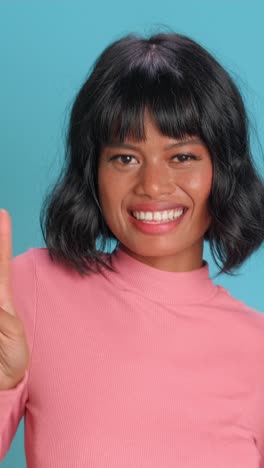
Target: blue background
(46, 50)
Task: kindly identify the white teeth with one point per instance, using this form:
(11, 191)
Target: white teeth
(168, 215)
(157, 216)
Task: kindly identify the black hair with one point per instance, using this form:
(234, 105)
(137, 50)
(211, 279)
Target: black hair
(187, 92)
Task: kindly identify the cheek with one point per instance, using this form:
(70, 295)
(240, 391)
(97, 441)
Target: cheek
(104, 194)
(199, 185)
(110, 191)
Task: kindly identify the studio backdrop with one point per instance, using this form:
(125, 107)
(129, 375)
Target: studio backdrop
(46, 51)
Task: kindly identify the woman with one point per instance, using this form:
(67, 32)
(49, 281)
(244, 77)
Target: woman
(136, 358)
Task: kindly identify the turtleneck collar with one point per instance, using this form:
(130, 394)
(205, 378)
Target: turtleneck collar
(184, 288)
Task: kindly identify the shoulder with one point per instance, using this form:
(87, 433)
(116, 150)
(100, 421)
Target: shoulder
(37, 261)
(35, 270)
(40, 283)
(242, 319)
(26, 261)
(236, 307)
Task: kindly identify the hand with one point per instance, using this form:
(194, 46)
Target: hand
(14, 349)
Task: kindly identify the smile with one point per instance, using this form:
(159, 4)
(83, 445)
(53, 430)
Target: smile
(151, 226)
(157, 216)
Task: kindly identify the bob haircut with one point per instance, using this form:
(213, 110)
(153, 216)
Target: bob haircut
(188, 93)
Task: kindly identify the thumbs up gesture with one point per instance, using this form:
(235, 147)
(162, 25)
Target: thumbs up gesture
(14, 349)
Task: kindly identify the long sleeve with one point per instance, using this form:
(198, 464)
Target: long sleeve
(137, 367)
(12, 407)
(13, 401)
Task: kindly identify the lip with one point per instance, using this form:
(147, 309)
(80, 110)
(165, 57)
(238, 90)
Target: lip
(156, 206)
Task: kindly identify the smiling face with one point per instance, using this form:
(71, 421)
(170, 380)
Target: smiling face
(157, 178)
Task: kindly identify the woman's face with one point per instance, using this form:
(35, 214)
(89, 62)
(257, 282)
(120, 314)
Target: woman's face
(157, 176)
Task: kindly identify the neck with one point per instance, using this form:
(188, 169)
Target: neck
(187, 260)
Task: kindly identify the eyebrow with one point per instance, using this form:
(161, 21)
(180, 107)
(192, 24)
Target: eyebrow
(195, 141)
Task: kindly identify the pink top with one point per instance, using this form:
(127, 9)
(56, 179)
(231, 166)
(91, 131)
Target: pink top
(137, 369)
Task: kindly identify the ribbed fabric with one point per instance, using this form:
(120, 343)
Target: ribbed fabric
(141, 368)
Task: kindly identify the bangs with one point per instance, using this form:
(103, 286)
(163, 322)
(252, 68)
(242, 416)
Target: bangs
(171, 102)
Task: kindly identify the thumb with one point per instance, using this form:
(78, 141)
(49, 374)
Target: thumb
(6, 301)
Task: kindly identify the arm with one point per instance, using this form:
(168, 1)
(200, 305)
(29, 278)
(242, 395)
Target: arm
(13, 401)
(12, 407)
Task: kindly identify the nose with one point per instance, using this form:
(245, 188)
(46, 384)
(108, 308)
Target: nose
(155, 180)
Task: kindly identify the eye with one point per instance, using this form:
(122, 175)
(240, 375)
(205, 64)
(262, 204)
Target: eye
(125, 159)
(183, 157)
(122, 157)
